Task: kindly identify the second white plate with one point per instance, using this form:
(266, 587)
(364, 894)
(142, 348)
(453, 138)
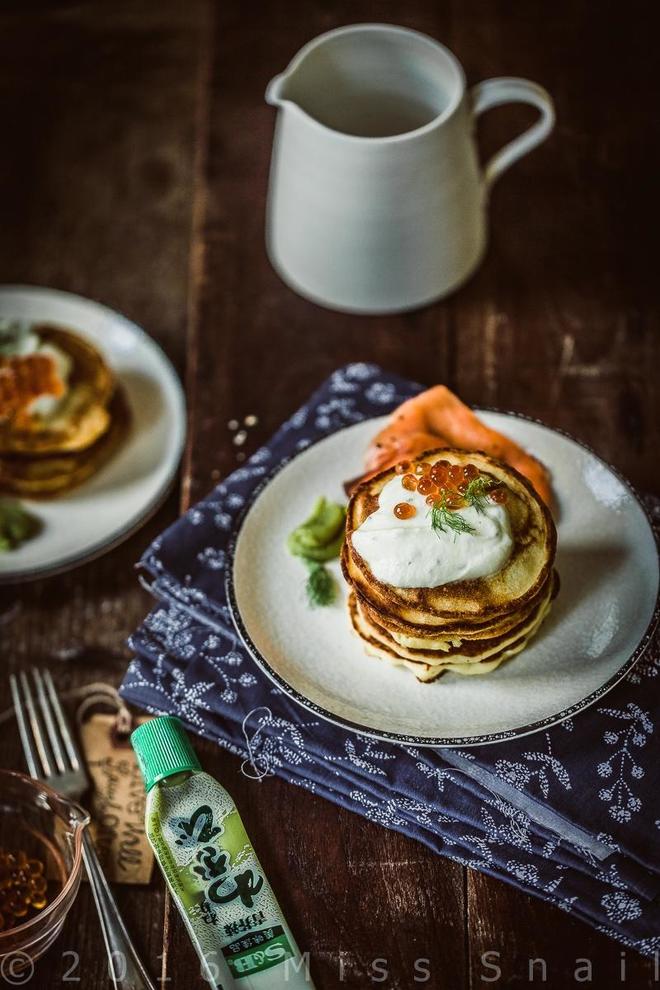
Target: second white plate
(110, 506)
(598, 627)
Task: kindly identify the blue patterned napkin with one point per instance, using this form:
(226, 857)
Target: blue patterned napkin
(571, 815)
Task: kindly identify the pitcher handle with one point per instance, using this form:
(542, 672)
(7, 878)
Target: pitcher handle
(496, 92)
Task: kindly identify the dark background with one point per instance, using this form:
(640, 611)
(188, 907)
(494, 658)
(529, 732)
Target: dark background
(133, 170)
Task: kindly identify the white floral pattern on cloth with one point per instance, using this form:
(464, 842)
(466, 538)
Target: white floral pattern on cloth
(632, 729)
(539, 769)
(365, 754)
(499, 809)
(273, 742)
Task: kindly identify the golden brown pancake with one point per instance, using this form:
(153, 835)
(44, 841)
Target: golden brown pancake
(54, 474)
(478, 600)
(432, 637)
(430, 672)
(467, 651)
(427, 672)
(80, 416)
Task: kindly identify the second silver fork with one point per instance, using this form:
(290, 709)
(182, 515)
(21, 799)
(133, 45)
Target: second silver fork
(52, 756)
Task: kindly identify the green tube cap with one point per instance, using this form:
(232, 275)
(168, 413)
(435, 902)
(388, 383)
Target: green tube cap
(163, 748)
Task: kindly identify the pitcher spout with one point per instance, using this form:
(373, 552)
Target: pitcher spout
(275, 90)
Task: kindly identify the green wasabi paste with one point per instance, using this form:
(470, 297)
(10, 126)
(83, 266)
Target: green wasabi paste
(16, 525)
(316, 541)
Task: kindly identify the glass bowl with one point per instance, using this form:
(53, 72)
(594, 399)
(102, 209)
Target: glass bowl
(49, 828)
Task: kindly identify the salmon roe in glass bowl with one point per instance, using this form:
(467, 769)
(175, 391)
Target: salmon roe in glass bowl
(47, 828)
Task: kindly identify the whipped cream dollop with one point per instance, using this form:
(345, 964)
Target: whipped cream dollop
(409, 553)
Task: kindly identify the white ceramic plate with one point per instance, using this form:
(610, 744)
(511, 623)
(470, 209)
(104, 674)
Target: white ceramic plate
(110, 506)
(599, 625)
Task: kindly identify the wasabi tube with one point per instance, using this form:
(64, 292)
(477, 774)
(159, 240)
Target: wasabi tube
(216, 880)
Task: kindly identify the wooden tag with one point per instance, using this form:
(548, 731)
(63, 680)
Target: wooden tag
(117, 802)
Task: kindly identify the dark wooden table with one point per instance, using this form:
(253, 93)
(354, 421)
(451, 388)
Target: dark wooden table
(133, 170)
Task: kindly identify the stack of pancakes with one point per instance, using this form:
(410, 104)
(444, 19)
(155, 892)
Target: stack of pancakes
(466, 627)
(47, 448)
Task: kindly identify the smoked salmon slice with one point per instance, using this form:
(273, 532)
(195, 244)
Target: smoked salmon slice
(438, 418)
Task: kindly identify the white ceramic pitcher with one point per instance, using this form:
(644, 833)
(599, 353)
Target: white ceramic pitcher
(377, 202)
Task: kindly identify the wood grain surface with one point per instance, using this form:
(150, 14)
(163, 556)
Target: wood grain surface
(134, 171)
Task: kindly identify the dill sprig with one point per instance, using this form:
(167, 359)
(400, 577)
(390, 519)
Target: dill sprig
(321, 587)
(443, 519)
(476, 491)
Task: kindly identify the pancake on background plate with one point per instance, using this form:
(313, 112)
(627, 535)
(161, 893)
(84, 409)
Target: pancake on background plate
(61, 412)
(450, 561)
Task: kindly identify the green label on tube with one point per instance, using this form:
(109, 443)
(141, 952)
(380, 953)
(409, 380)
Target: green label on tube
(271, 952)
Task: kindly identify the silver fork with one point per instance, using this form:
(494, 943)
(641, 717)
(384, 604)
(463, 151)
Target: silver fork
(52, 756)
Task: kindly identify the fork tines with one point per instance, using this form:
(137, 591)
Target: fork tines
(48, 743)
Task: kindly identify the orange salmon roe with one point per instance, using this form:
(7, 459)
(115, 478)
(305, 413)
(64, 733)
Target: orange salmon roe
(404, 510)
(426, 486)
(439, 472)
(22, 887)
(454, 501)
(409, 481)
